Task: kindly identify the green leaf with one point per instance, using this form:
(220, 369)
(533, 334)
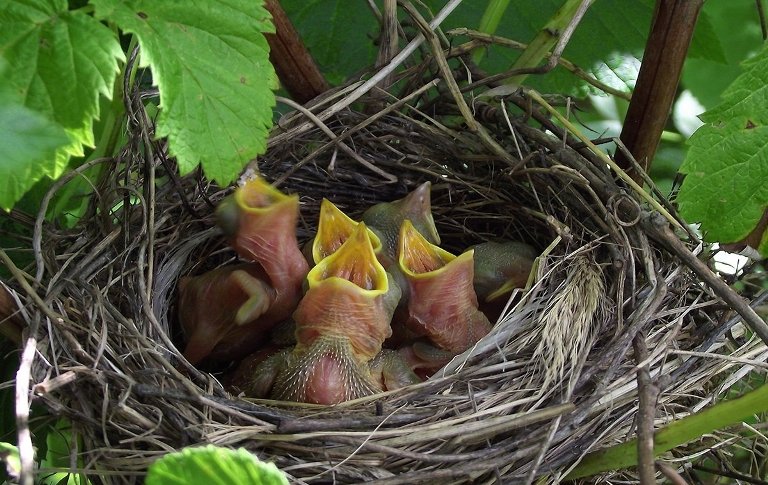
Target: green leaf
(58, 452)
(727, 163)
(27, 150)
(58, 64)
(708, 78)
(10, 455)
(342, 43)
(211, 64)
(726, 413)
(211, 465)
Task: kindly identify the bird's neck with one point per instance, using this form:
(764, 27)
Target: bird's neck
(285, 265)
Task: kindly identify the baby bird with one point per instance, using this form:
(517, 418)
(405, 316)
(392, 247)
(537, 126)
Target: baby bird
(259, 222)
(499, 268)
(232, 296)
(340, 325)
(442, 304)
(385, 220)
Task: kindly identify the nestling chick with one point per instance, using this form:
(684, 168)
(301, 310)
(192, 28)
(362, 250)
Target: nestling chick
(500, 267)
(340, 325)
(212, 304)
(385, 220)
(442, 304)
(260, 223)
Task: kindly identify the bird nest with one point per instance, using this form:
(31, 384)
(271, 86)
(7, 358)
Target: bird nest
(559, 375)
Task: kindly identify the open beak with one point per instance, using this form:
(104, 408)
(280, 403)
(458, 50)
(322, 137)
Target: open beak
(353, 262)
(333, 229)
(386, 218)
(257, 219)
(341, 324)
(442, 304)
(416, 255)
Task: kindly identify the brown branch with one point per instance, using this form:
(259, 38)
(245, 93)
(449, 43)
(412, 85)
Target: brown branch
(645, 414)
(293, 63)
(665, 51)
(657, 227)
(671, 474)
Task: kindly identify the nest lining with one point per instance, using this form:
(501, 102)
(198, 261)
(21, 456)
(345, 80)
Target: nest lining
(108, 344)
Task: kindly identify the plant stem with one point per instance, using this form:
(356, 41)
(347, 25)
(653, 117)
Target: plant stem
(295, 66)
(656, 88)
(107, 142)
(726, 413)
(555, 32)
(489, 23)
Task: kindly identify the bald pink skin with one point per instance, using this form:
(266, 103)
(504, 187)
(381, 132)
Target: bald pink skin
(443, 306)
(441, 302)
(333, 308)
(269, 238)
(260, 224)
(339, 329)
(209, 305)
(326, 383)
(341, 324)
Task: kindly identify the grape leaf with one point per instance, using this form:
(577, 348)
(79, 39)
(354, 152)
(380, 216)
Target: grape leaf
(213, 465)
(342, 43)
(211, 63)
(58, 64)
(27, 150)
(727, 163)
(707, 79)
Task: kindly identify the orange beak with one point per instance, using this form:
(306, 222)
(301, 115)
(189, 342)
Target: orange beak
(386, 218)
(333, 229)
(258, 220)
(442, 304)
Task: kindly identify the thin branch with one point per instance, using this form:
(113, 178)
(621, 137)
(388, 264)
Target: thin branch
(671, 474)
(645, 414)
(656, 227)
(379, 76)
(484, 38)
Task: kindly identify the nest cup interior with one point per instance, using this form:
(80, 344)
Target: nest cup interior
(555, 378)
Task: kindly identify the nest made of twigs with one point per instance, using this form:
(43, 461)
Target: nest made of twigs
(555, 379)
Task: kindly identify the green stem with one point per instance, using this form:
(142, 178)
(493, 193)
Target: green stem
(545, 41)
(107, 142)
(724, 414)
(489, 23)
